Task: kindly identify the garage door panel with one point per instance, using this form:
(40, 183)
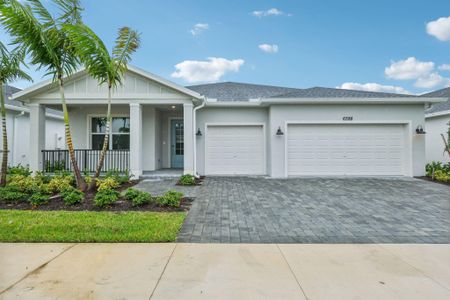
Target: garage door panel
(355, 149)
(235, 150)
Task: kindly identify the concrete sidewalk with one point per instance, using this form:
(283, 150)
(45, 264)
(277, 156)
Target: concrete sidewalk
(224, 271)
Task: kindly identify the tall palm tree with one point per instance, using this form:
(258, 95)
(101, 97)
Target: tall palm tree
(10, 63)
(41, 35)
(105, 67)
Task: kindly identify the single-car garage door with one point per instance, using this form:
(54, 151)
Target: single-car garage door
(235, 150)
(346, 149)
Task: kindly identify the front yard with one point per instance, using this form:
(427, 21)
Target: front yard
(88, 226)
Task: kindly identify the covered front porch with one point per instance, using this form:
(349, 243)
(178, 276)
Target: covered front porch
(143, 138)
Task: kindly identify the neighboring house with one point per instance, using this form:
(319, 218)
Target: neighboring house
(437, 119)
(18, 128)
(235, 128)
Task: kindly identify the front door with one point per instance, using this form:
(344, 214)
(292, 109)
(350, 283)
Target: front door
(176, 143)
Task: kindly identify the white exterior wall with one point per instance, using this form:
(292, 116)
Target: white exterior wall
(434, 127)
(230, 115)
(18, 129)
(280, 114)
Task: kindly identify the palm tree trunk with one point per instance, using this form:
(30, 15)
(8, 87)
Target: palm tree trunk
(5, 139)
(81, 184)
(446, 145)
(105, 145)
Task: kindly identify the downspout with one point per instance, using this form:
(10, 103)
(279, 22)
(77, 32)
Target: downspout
(13, 140)
(203, 99)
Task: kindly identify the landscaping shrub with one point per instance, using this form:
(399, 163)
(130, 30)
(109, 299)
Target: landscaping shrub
(131, 193)
(72, 196)
(60, 182)
(442, 175)
(107, 183)
(171, 198)
(141, 199)
(11, 194)
(19, 170)
(38, 199)
(106, 197)
(24, 184)
(438, 171)
(121, 178)
(187, 179)
(44, 178)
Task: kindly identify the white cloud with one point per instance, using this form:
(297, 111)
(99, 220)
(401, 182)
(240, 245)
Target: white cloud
(440, 29)
(432, 80)
(373, 87)
(269, 12)
(444, 67)
(208, 70)
(407, 69)
(269, 48)
(199, 28)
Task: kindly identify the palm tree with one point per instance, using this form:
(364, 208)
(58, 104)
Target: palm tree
(105, 67)
(10, 70)
(41, 35)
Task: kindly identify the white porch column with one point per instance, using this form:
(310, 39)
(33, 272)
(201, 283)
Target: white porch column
(37, 136)
(188, 114)
(135, 139)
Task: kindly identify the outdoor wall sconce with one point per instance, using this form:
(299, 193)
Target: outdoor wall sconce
(199, 132)
(419, 130)
(279, 132)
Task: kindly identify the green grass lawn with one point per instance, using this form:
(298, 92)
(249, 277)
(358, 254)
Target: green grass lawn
(68, 226)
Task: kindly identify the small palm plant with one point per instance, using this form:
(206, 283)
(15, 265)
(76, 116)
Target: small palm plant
(32, 27)
(107, 68)
(447, 140)
(10, 70)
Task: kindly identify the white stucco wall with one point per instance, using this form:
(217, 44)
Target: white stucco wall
(228, 115)
(279, 114)
(18, 129)
(434, 127)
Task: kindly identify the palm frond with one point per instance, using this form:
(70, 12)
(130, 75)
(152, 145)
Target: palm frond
(127, 42)
(91, 50)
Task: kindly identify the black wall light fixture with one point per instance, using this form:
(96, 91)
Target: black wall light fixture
(199, 132)
(419, 130)
(279, 132)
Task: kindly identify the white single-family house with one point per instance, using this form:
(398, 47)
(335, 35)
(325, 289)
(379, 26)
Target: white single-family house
(234, 128)
(437, 121)
(18, 129)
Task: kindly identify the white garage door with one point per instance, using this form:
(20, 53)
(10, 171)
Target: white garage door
(235, 150)
(342, 149)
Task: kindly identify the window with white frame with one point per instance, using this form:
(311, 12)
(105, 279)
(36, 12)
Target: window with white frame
(119, 138)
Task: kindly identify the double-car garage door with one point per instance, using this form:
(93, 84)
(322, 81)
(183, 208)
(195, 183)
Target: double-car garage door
(310, 149)
(345, 149)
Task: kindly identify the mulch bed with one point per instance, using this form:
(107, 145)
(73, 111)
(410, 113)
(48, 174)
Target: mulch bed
(56, 203)
(435, 181)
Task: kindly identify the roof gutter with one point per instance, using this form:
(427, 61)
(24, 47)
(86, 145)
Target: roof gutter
(194, 127)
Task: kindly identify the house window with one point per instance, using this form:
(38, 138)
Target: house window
(119, 138)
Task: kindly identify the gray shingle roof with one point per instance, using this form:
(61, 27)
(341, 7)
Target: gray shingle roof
(8, 91)
(322, 92)
(234, 91)
(438, 107)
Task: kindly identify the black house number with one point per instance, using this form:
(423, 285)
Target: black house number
(347, 118)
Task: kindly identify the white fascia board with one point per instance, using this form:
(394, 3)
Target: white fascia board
(27, 93)
(232, 104)
(437, 114)
(393, 100)
(26, 110)
(165, 82)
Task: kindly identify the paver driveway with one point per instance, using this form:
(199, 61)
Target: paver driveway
(318, 210)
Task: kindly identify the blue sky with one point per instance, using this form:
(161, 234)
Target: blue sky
(307, 43)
